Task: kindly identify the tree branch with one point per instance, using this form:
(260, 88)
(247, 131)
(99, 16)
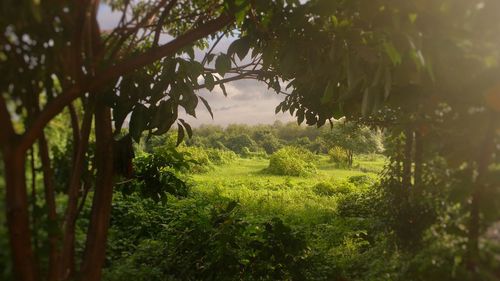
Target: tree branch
(122, 68)
(161, 21)
(7, 131)
(247, 75)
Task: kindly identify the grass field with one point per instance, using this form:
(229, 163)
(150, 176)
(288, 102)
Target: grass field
(294, 199)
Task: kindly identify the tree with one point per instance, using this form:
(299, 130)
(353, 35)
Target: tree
(353, 139)
(55, 57)
(336, 58)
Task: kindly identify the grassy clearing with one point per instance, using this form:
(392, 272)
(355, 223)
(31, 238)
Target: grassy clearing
(291, 198)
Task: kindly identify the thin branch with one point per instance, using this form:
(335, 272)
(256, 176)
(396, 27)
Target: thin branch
(212, 49)
(248, 75)
(161, 21)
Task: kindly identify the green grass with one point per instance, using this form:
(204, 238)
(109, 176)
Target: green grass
(291, 198)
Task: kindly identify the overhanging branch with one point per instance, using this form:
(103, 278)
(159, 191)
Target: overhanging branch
(122, 68)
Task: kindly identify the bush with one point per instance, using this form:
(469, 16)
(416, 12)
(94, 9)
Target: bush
(332, 188)
(220, 157)
(361, 180)
(338, 155)
(324, 189)
(247, 153)
(156, 175)
(292, 161)
(239, 142)
(200, 239)
(199, 159)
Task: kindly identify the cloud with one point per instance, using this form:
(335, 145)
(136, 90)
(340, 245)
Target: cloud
(248, 102)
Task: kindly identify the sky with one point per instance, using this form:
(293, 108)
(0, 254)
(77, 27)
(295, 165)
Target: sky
(248, 101)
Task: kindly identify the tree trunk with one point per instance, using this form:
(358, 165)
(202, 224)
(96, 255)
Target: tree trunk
(419, 151)
(34, 219)
(483, 162)
(50, 201)
(95, 248)
(407, 160)
(67, 260)
(18, 222)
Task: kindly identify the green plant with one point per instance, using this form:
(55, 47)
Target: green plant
(339, 156)
(292, 161)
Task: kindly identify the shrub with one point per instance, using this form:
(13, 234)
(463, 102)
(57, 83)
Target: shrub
(220, 156)
(247, 153)
(199, 160)
(292, 161)
(332, 188)
(324, 189)
(200, 239)
(155, 175)
(239, 142)
(338, 155)
(361, 180)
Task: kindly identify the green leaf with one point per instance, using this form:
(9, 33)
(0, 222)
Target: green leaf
(223, 88)
(392, 53)
(188, 128)
(209, 81)
(222, 64)
(207, 106)
(278, 109)
(164, 118)
(240, 47)
(138, 122)
(180, 134)
(210, 58)
(328, 94)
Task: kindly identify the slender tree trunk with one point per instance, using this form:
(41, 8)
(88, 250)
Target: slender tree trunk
(419, 151)
(18, 222)
(95, 247)
(67, 261)
(407, 160)
(483, 162)
(50, 201)
(34, 220)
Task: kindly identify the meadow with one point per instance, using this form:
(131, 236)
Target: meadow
(292, 198)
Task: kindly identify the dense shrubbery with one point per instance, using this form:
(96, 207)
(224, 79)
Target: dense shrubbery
(292, 161)
(156, 175)
(200, 239)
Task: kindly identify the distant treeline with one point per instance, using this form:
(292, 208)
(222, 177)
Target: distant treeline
(267, 139)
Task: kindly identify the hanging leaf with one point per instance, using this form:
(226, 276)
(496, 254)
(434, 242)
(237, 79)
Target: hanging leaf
(210, 58)
(240, 47)
(180, 134)
(223, 88)
(209, 81)
(188, 128)
(207, 106)
(138, 122)
(278, 109)
(164, 117)
(222, 64)
(392, 53)
(328, 94)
